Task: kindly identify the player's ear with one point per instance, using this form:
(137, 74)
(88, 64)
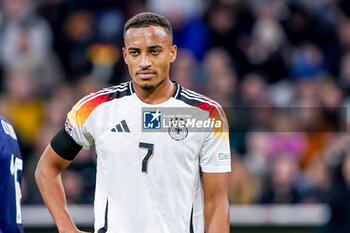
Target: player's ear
(173, 53)
(124, 54)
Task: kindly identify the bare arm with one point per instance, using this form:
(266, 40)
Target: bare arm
(48, 179)
(216, 207)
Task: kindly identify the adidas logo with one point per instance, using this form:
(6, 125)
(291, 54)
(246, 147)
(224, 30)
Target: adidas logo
(122, 127)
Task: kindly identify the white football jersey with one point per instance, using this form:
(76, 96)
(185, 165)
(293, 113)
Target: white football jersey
(148, 182)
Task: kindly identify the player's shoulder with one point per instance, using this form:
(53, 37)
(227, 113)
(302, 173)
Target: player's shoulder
(120, 90)
(6, 129)
(92, 100)
(3, 119)
(198, 100)
(86, 105)
(112, 92)
(205, 103)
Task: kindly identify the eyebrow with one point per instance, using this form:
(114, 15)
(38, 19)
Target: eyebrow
(150, 47)
(133, 48)
(155, 47)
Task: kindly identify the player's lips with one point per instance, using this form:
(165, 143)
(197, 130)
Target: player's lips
(145, 74)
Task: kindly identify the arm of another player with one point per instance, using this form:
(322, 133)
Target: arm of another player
(49, 181)
(216, 207)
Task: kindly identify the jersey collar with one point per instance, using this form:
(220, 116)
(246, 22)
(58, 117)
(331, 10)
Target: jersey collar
(175, 95)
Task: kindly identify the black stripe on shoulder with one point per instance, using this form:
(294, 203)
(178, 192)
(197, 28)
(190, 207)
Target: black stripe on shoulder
(190, 98)
(188, 101)
(121, 90)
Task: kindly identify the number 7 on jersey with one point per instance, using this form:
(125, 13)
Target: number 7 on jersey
(150, 148)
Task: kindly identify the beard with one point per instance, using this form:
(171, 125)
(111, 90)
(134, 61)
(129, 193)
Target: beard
(147, 87)
(150, 87)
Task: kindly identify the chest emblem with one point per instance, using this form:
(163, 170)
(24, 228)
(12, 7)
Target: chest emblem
(177, 129)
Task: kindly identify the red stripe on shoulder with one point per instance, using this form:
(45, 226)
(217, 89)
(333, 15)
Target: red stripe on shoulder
(82, 112)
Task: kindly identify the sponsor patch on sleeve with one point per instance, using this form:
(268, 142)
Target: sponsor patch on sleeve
(224, 156)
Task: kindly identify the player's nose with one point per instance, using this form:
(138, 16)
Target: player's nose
(144, 61)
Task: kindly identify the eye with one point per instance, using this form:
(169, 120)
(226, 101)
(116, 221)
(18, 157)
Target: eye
(155, 51)
(134, 52)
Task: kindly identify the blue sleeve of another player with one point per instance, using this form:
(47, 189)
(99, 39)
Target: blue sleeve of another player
(10, 182)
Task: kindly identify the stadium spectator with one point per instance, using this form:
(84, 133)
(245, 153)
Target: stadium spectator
(24, 108)
(185, 70)
(243, 186)
(26, 44)
(281, 187)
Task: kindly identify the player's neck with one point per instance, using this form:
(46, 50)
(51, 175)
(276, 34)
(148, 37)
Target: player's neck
(157, 95)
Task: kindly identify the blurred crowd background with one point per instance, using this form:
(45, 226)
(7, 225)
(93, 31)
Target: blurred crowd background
(248, 54)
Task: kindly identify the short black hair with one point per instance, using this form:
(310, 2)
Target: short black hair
(146, 19)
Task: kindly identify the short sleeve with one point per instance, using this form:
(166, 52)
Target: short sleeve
(215, 156)
(77, 118)
(75, 125)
